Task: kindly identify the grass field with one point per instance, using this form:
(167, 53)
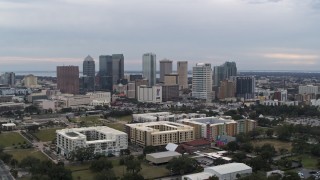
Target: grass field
(148, 171)
(308, 161)
(20, 154)
(117, 126)
(7, 139)
(46, 134)
(276, 143)
(125, 118)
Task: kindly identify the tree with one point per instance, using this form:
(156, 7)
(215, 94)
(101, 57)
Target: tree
(149, 149)
(232, 146)
(101, 164)
(269, 132)
(106, 175)
(239, 157)
(267, 152)
(247, 147)
(213, 178)
(29, 162)
(5, 157)
(315, 150)
(182, 165)
(82, 154)
(291, 176)
(133, 166)
(130, 176)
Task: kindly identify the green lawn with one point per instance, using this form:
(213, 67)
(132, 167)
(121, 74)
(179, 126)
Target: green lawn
(276, 143)
(20, 154)
(117, 126)
(308, 161)
(125, 118)
(46, 134)
(7, 139)
(148, 171)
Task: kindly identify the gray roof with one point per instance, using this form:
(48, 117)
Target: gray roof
(88, 58)
(164, 154)
(229, 168)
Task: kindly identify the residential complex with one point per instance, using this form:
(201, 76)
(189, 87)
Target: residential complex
(159, 133)
(102, 139)
(163, 116)
(211, 128)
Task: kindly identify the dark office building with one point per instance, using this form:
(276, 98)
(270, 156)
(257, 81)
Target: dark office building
(134, 77)
(87, 82)
(245, 86)
(170, 92)
(111, 69)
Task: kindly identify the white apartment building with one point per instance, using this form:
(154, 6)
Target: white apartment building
(45, 104)
(202, 81)
(104, 98)
(149, 94)
(90, 99)
(309, 89)
(102, 139)
(164, 116)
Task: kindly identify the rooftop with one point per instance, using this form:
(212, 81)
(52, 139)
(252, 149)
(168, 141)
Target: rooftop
(164, 154)
(229, 168)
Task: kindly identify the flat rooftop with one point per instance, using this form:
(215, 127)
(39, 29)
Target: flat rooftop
(164, 154)
(147, 126)
(210, 120)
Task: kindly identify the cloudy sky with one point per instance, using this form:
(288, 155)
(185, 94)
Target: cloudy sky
(38, 35)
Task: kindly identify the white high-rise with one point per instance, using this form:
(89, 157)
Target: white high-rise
(202, 81)
(149, 68)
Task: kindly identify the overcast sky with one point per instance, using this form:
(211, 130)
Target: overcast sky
(38, 35)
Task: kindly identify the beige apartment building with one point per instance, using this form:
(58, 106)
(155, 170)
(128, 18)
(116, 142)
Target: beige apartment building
(159, 133)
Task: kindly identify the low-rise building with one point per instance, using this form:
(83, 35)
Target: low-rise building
(102, 139)
(44, 104)
(229, 171)
(162, 157)
(159, 133)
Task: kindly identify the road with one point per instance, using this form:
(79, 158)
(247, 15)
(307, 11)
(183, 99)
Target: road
(4, 172)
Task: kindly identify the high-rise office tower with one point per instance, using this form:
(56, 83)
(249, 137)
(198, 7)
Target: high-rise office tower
(8, 78)
(89, 68)
(245, 86)
(68, 79)
(111, 70)
(87, 81)
(165, 68)
(182, 68)
(226, 89)
(149, 68)
(202, 81)
(224, 72)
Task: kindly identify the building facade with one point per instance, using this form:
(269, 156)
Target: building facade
(165, 68)
(170, 92)
(245, 87)
(30, 81)
(102, 139)
(111, 70)
(68, 79)
(89, 73)
(223, 72)
(159, 133)
(149, 94)
(149, 67)
(202, 81)
(182, 69)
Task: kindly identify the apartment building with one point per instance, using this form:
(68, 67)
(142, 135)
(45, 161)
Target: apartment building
(102, 139)
(159, 133)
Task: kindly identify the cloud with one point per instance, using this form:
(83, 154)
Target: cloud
(290, 56)
(262, 1)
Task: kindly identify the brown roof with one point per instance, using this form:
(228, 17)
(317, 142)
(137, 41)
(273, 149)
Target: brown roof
(198, 142)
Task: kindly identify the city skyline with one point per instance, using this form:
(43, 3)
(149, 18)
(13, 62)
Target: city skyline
(257, 34)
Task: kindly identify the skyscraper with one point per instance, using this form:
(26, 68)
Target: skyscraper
(165, 68)
(245, 86)
(87, 82)
(89, 68)
(202, 81)
(182, 68)
(68, 79)
(149, 68)
(111, 69)
(224, 72)
(8, 78)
